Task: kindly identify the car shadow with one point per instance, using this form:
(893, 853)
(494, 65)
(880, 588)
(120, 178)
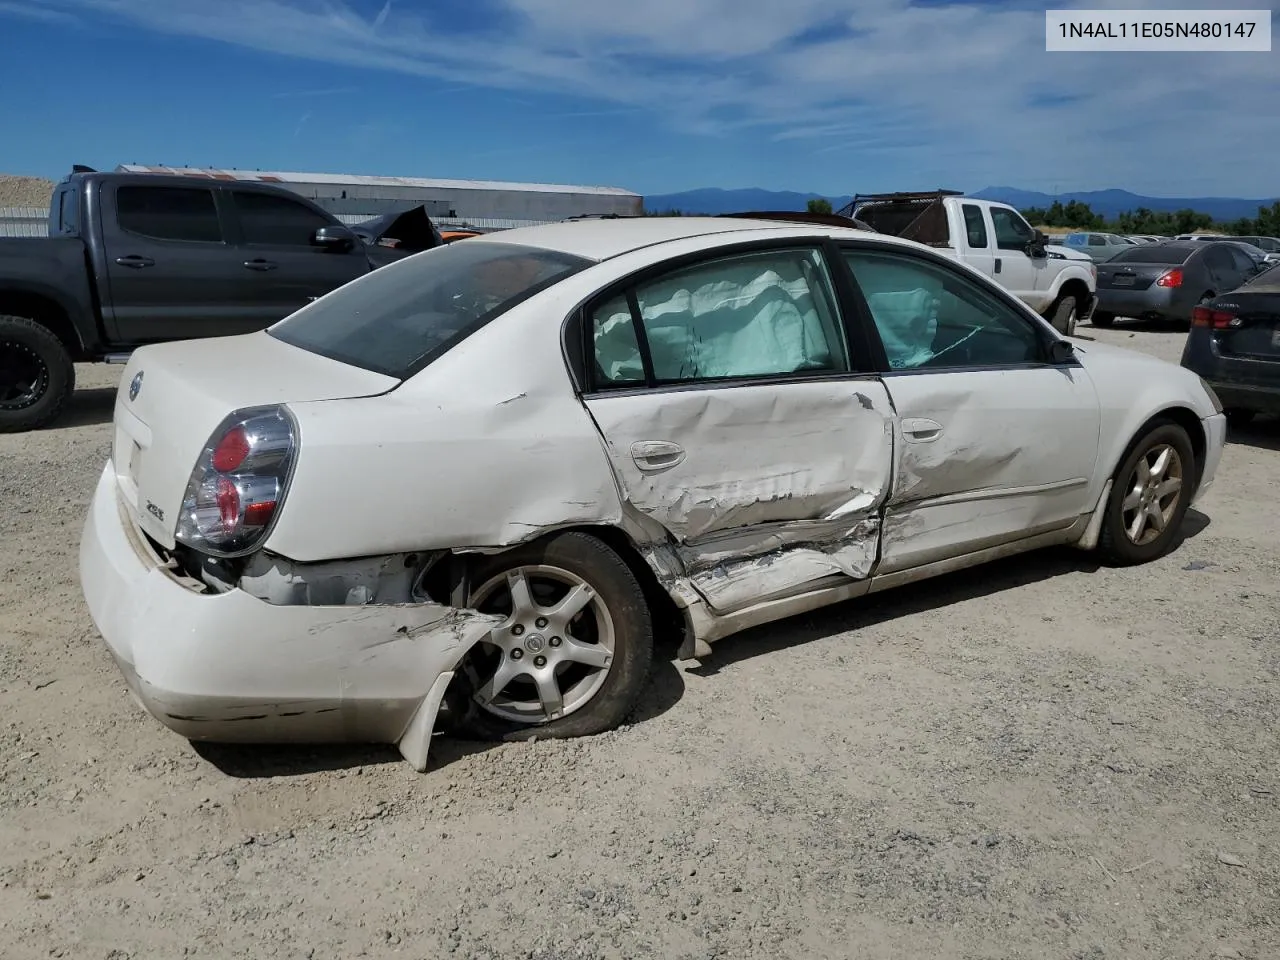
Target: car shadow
(247, 761)
(982, 581)
(87, 407)
(1264, 434)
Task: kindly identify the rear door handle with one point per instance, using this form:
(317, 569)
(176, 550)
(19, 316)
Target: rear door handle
(261, 264)
(135, 262)
(919, 430)
(656, 454)
(997, 264)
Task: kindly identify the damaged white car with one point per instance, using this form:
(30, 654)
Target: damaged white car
(485, 476)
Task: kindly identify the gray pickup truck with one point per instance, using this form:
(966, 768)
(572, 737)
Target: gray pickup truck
(133, 259)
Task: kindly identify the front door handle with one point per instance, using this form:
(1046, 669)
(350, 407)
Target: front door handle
(260, 264)
(919, 430)
(135, 262)
(656, 454)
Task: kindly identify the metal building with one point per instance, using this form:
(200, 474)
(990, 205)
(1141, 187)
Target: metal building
(483, 204)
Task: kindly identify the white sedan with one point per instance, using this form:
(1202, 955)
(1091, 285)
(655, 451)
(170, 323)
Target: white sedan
(471, 485)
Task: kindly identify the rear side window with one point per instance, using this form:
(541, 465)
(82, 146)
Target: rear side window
(1217, 259)
(975, 227)
(399, 318)
(1153, 253)
(169, 213)
(276, 221)
(759, 314)
(1097, 241)
(68, 212)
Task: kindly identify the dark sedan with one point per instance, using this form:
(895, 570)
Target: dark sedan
(1234, 345)
(1166, 281)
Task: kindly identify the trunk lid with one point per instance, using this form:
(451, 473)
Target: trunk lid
(172, 397)
(1258, 336)
(1131, 276)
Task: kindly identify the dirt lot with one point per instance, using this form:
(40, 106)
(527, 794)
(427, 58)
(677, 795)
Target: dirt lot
(1035, 759)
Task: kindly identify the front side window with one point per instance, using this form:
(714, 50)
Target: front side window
(399, 318)
(1012, 232)
(930, 317)
(276, 221)
(758, 314)
(169, 213)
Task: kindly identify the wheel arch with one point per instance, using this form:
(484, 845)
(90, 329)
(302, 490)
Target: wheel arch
(1175, 413)
(48, 312)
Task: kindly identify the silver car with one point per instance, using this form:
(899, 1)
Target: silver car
(1100, 247)
(1166, 281)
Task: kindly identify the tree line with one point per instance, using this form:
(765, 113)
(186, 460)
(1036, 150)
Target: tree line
(1075, 215)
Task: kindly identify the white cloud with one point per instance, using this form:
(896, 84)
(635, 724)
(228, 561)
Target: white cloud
(964, 92)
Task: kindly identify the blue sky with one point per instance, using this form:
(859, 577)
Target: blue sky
(657, 96)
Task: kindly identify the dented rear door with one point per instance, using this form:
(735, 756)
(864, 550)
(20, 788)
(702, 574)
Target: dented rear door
(724, 395)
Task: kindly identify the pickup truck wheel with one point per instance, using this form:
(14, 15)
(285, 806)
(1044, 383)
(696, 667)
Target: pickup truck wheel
(36, 375)
(571, 657)
(1064, 313)
(1101, 318)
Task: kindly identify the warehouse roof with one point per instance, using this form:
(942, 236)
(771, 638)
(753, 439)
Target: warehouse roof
(359, 180)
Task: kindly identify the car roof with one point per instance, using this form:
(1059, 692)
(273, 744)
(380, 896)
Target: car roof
(603, 239)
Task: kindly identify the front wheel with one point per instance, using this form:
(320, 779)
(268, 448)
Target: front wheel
(572, 655)
(1150, 494)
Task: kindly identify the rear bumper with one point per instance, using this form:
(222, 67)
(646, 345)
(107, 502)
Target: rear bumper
(231, 667)
(1240, 382)
(1154, 301)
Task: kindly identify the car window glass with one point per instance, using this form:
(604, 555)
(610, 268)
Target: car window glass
(276, 221)
(928, 316)
(975, 226)
(1096, 241)
(169, 213)
(751, 315)
(69, 212)
(1012, 232)
(399, 318)
(617, 350)
(1241, 259)
(1216, 258)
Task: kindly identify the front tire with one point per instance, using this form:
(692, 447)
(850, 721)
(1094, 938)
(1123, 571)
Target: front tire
(573, 654)
(1150, 494)
(36, 375)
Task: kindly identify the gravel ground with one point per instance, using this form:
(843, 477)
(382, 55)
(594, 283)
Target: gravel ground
(24, 191)
(1035, 759)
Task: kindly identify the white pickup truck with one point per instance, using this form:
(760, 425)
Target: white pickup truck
(1058, 283)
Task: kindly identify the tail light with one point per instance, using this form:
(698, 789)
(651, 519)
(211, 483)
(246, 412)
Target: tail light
(1170, 278)
(1214, 319)
(239, 482)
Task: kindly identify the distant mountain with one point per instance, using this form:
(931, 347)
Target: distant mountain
(1109, 203)
(713, 200)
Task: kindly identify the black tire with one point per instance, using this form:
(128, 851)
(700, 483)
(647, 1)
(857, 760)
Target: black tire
(1114, 544)
(1064, 314)
(1240, 416)
(36, 375)
(1101, 318)
(617, 588)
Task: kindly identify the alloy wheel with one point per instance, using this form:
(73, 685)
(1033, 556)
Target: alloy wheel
(1154, 490)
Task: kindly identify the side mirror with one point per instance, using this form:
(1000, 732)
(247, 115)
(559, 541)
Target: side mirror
(334, 238)
(1061, 352)
(1036, 246)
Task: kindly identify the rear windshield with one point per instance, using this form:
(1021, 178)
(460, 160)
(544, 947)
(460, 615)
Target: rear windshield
(399, 318)
(1153, 253)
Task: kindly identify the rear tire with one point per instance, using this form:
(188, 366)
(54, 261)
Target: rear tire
(1150, 494)
(36, 375)
(1064, 313)
(1101, 318)
(567, 652)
